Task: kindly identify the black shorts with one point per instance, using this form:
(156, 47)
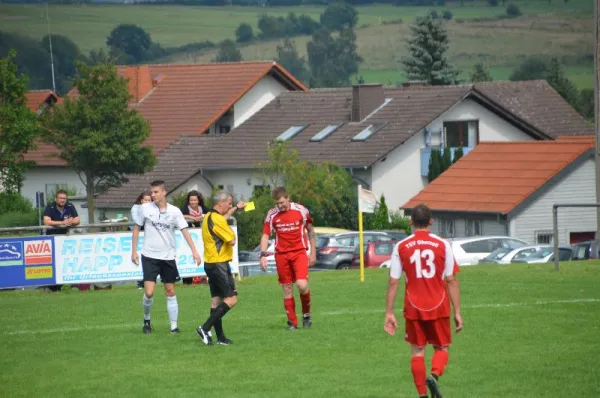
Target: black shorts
(167, 269)
(220, 279)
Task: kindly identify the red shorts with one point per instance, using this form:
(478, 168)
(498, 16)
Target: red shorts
(435, 332)
(292, 266)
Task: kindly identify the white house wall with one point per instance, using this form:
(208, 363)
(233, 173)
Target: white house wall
(256, 98)
(577, 187)
(40, 178)
(399, 177)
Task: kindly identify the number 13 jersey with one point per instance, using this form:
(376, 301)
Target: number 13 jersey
(426, 260)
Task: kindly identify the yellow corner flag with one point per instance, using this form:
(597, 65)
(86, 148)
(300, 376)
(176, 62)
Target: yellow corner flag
(249, 206)
(367, 201)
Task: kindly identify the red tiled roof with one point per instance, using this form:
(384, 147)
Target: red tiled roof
(186, 99)
(496, 177)
(35, 98)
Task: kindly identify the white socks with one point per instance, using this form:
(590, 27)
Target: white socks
(173, 310)
(147, 304)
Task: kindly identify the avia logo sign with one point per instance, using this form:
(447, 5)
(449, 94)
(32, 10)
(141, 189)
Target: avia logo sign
(38, 252)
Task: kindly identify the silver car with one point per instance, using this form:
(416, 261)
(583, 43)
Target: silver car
(506, 255)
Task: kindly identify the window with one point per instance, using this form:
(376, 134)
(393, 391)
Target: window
(321, 135)
(461, 133)
(523, 253)
(345, 240)
(224, 129)
(366, 133)
(374, 238)
(543, 237)
(385, 248)
(291, 132)
(474, 228)
(512, 243)
(564, 254)
(448, 228)
(481, 246)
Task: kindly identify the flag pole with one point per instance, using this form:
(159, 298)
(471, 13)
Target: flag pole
(361, 253)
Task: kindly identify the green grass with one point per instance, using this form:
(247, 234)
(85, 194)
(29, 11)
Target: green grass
(529, 332)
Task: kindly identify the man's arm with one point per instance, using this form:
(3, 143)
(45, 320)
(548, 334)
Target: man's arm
(48, 222)
(240, 205)
(264, 245)
(454, 293)
(312, 238)
(134, 241)
(391, 324)
(74, 221)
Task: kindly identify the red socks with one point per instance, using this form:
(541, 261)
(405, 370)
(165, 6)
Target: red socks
(417, 367)
(290, 307)
(439, 361)
(305, 298)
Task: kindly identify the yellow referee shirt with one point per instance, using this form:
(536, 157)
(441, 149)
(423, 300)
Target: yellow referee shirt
(216, 235)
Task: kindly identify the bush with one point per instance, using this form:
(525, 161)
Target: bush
(433, 14)
(19, 219)
(399, 222)
(244, 33)
(447, 15)
(493, 3)
(513, 11)
(179, 199)
(14, 202)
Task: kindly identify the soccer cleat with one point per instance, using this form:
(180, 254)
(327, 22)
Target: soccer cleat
(175, 331)
(291, 326)
(204, 337)
(224, 341)
(433, 387)
(147, 329)
(306, 321)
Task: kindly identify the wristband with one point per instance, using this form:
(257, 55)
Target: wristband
(263, 254)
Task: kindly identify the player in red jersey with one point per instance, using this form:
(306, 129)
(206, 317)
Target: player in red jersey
(290, 222)
(429, 267)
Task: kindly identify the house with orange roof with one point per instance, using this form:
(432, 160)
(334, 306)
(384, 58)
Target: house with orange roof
(38, 100)
(509, 188)
(382, 135)
(178, 100)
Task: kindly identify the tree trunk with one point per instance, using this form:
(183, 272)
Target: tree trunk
(89, 190)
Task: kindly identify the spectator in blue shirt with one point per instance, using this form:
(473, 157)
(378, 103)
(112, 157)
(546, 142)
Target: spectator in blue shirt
(60, 214)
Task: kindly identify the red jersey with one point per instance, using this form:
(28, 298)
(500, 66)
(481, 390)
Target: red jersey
(289, 227)
(426, 260)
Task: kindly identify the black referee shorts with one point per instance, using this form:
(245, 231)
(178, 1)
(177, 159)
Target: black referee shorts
(220, 279)
(167, 269)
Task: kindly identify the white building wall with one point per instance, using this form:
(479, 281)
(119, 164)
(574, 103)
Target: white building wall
(577, 187)
(257, 97)
(45, 179)
(398, 177)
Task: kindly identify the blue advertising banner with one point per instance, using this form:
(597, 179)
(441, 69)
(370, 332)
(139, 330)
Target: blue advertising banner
(27, 262)
(106, 257)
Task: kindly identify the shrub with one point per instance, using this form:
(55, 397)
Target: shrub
(447, 15)
(513, 11)
(19, 219)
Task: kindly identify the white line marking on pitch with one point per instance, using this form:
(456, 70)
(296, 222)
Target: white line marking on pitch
(132, 325)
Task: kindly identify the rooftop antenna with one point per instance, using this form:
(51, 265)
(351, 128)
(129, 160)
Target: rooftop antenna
(51, 56)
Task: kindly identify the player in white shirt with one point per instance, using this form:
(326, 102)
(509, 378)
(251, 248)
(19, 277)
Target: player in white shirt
(160, 221)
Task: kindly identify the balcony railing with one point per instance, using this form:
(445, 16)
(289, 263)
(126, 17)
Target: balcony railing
(426, 155)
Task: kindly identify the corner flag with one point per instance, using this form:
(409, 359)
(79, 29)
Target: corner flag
(367, 201)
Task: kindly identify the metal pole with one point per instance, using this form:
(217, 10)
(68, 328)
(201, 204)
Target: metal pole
(596, 114)
(555, 227)
(51, 56)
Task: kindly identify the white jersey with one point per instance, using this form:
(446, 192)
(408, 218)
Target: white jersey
(159, 230)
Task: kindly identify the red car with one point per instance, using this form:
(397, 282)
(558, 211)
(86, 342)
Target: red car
(375, 253)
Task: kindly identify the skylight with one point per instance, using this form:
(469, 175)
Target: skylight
(366, 133)
(290, 133)
(321, 135)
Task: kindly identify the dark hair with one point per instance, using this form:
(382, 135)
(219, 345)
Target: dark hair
(279, 193)
(194, 193)
(421, 216)
(138, 201)
(158, 183)
(60, 191)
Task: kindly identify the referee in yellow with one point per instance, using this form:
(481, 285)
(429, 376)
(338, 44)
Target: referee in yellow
(219, 240)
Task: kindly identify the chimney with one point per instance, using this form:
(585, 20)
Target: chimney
(365, 99)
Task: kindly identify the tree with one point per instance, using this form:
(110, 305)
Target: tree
(100, 56)
(513, 11)
(458, 153)
(381, 217)
(446, 159)
(532, 68)
(332, 61)
(435, 165)
(339, 16)
(129, 44)
(427, 47)
(480, 73)
(244, 33)
(560, 82)
(98, 134)
(18, 125)
(586, 101)
(288, 57)
(228, 52)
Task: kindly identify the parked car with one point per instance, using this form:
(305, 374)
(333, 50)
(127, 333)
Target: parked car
(397, 235)
(583, 250)
(254, 255)
(506, 255)
(546, 255)
(468, 251)
(337, 250)
(375, 253)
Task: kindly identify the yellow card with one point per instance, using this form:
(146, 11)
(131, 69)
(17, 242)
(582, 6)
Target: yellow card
(249, 206)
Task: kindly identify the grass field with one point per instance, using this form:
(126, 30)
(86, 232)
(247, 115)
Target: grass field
(529, 332)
